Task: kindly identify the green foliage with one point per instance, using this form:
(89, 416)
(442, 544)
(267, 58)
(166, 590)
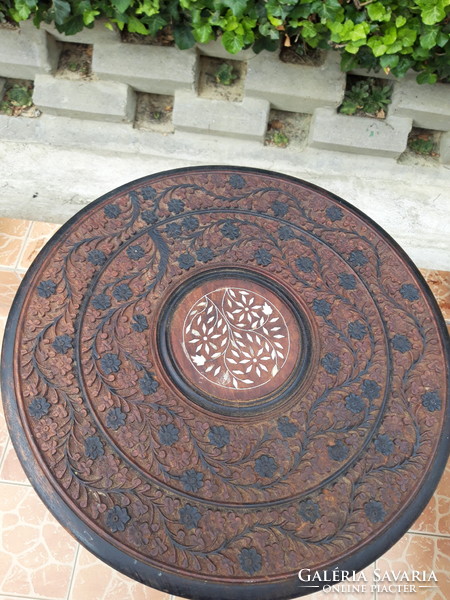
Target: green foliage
(423, 144)
(366, 97)
(19, 95)
(16, 98)
(225, 74)
(278, 138)
(393, 35)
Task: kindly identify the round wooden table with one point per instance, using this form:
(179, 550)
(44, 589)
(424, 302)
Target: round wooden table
(215, 377)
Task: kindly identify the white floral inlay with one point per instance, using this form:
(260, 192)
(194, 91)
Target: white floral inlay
(236, 338)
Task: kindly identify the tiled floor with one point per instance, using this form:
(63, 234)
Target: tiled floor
(39, 560)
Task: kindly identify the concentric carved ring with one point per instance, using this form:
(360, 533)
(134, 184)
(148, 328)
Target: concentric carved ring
(234, 342)
(225, 375)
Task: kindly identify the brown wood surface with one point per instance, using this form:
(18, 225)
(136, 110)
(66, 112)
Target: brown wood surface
(203, 476)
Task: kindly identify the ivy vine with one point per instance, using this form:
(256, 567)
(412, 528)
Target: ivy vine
(393, 35)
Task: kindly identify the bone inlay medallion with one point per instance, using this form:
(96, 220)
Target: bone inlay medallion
(234, 339)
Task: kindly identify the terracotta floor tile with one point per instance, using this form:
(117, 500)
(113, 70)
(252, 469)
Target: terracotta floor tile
(12, 236)
(17, 597)
(39, 235)
(11, 469)
(2, 327)
(3, 429)
(95, 579)
(36, 554)
(9, 282)
(4, 437)
(439, 282)
(419, 553)
(436, 517)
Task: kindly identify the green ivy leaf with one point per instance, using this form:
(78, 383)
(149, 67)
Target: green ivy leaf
(400, 21)
(147, 7)
(267, 30)
(394, 48)
(232, 43)
(72, 26)
(21, 11)
(428, 39)
(82, 7)
(121, 5)
(264, 43)
(408, 36)
(231, 22)
(248, 23)
(249, 37)
(183, 36)
(348, 62)
(308, 29)
(237, 6)
(405, 63)
(377, 11)
(426, 77)
(275, 22)
(62, 11)
(341, 32)
(329, 10)
(390, 36)
(154, 24)
(136, 26)
(89, 16)
(302, 11)
(419, 54)
(351, 48)
(360, 32)
(204, 33)
(432, 14)
(442, 39)
(389, 61)
(379, 49)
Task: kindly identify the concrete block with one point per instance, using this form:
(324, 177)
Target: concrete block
(359, 135)
(99, 100)
(295, 88)
(216, 49)
(27, 51)
(375, 74)
(444, 148)
(96, 35)
(151, 69)
(427, 105)
(245, 120)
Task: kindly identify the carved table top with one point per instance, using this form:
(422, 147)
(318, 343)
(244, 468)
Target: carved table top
(215, 377)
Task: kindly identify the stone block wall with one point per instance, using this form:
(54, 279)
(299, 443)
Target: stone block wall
(121, 70)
